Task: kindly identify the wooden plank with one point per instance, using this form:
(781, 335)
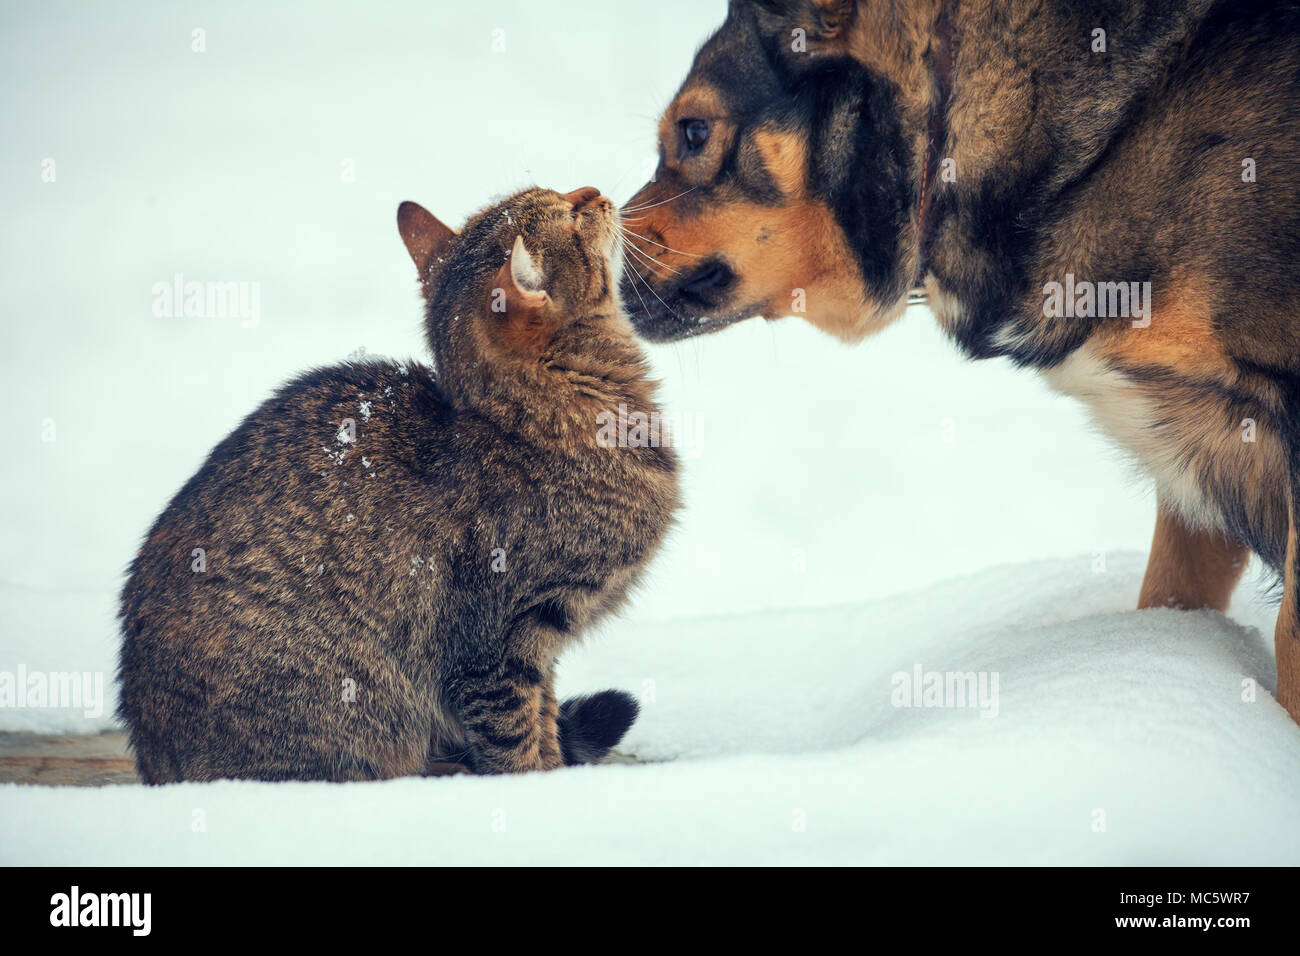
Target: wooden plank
(66, 760)
(98, 760)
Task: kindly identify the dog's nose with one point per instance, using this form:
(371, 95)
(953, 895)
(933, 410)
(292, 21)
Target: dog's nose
(582, 197)
(708, 278)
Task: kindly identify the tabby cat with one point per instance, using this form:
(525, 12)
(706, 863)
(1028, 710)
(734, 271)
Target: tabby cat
(373, 575)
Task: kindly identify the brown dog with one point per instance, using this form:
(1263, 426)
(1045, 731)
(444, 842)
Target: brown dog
(1107, 192)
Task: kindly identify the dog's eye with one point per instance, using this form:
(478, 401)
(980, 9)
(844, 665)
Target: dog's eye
(695, 135)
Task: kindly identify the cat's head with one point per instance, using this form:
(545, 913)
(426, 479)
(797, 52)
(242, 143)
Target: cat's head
(516, 275)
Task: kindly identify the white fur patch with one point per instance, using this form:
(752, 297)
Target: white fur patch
(947, 308)
(1125, 413)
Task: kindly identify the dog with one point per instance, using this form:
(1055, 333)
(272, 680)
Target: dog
(1106, 192)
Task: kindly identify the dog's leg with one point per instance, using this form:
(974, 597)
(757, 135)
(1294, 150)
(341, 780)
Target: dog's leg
(1188, 568)
(1286, 639)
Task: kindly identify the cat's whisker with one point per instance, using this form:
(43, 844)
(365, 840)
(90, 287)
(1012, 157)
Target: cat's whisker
(647, 268)
(637, 270)
(635, 276)
(662, 202)
(679, 252)
(653, 293)
(653, 263)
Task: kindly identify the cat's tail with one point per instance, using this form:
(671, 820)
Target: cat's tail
(590, 725)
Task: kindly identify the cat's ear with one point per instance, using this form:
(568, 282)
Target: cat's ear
(525, 271)
(424, 235)
(519, 300)
(518, 291)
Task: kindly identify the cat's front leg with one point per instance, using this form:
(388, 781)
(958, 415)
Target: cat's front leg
(510, 717)
(552, 752)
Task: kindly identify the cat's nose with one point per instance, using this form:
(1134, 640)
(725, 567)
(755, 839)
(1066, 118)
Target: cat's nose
(582, 197)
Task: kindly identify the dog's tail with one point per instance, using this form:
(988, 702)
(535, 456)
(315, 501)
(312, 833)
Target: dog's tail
(590, 725)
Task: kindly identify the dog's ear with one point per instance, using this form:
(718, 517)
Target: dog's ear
(520, 303)
(834, 17)
(424, 235)
(805, 26)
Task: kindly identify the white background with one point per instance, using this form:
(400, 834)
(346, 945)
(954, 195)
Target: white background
(228, 165)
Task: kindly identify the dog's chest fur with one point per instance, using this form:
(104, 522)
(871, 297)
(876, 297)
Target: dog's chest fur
(1127, 413)
(1215, 460)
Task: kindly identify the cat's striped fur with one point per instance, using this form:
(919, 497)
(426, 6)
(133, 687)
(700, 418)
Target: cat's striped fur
(392, 557)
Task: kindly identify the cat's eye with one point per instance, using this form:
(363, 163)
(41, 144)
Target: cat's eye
(695, 135)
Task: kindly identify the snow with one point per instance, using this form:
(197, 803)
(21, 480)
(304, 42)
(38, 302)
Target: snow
(771, 738)
(851, 514)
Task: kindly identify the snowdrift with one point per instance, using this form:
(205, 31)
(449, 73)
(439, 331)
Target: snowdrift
(1118, 737)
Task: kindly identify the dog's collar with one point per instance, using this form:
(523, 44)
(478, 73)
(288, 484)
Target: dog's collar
(945, 65)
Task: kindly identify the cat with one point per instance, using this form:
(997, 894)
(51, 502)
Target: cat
(373, 575)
